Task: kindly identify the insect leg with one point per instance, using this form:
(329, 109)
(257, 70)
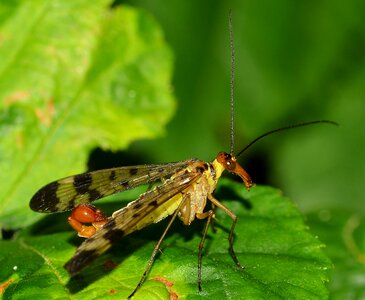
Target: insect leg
(150, 186)
(212, 223)
(230, 237)
(210, 215)
(157, 247)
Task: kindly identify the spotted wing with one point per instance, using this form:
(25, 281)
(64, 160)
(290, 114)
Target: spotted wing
(164, 198)
(67, 193)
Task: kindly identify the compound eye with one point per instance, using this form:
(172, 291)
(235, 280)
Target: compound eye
(228, 162)
(230, 165)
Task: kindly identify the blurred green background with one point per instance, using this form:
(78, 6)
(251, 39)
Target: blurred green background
(295, 61)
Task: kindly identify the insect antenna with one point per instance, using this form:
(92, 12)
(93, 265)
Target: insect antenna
(285, 128)
(232, 81)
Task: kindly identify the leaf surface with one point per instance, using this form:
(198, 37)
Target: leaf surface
(282, 259)
(344, 235)
(74, 75)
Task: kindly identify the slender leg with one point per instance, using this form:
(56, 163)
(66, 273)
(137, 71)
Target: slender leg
(210, 215)
(212, 224)
(157, 248)
(230, 237)
(150, 186)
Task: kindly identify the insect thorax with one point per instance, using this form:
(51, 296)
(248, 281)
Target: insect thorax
(195, 196)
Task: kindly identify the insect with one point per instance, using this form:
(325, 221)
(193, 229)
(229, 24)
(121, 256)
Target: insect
(181, 190)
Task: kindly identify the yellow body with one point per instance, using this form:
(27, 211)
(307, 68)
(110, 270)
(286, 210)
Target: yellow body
(196, 196)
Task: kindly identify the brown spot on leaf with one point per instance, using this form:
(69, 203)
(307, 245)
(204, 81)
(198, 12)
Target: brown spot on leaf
(168, 284)
(46, 114)
(112, 291)
(18, 96)
(109, 265)
(4, 285)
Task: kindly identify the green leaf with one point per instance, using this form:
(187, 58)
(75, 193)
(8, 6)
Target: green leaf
(282, 259)
(74, 75)
(344, 235)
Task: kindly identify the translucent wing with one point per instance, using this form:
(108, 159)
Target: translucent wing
(67, 193)
(150, 207)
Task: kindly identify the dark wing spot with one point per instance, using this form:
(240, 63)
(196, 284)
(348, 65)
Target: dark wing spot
(137, 204)
(202, 168)
(111, 224)
(94, 195)
(112, 234)
(125, 184)
(153, 203)
(79, 261)
(133, 171)
(82, 182)
(46, 200)
(112, 175)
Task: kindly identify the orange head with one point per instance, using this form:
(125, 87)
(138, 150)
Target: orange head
(230, 164)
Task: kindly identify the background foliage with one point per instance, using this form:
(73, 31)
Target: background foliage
(295, 61)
